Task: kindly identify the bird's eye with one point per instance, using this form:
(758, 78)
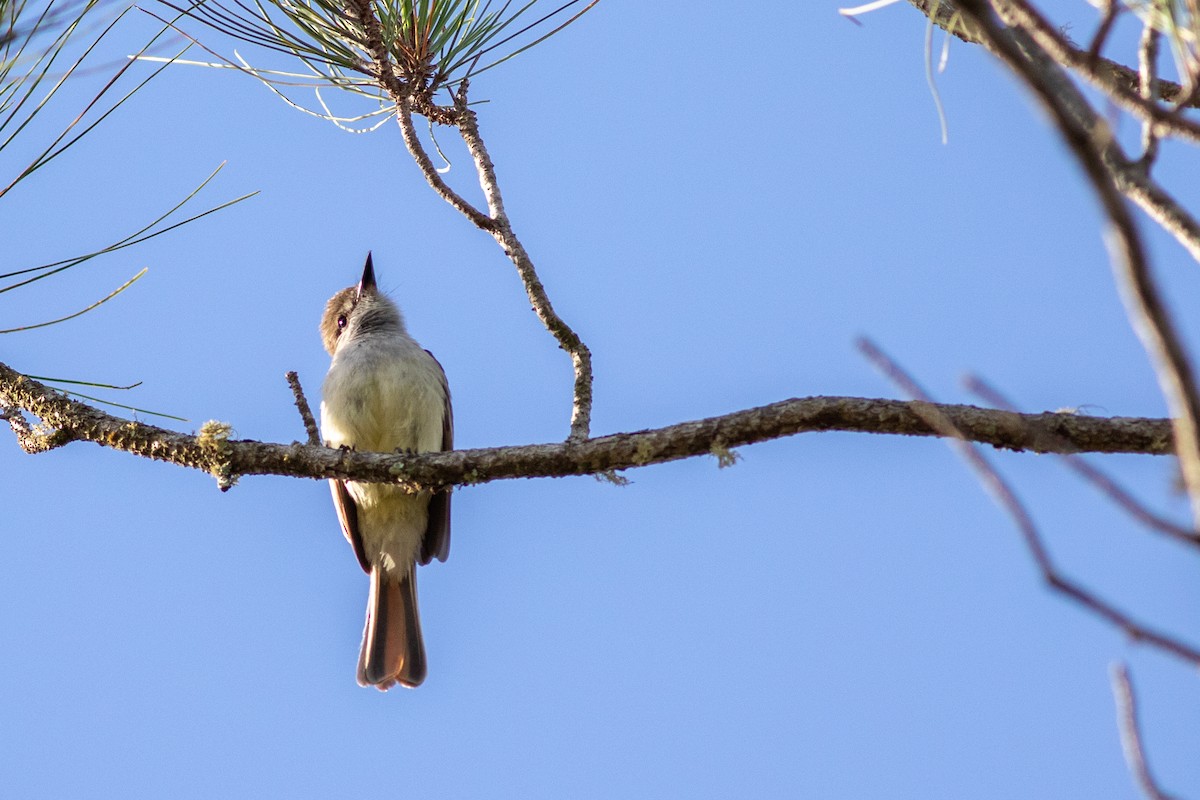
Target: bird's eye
(341, 321)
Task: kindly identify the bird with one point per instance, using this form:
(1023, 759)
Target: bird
(385, 393)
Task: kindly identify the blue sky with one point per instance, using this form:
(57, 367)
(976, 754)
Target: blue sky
(720, 204)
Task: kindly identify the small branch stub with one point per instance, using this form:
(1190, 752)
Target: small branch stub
(725, 456)
(306, 415)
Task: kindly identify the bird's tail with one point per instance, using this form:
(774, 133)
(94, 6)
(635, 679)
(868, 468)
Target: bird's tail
(392, 651)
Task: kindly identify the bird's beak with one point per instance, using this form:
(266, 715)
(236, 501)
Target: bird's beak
(367, 284)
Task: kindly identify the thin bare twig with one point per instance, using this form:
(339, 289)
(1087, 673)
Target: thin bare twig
(1131, 734)
(1131, 175)
(409, 132)
(1123, 498)
(409, 100)
(945, 14)
(1116, 80)
(1111, 11)
(306, 415)
(1147, 81)
(999, 489)
(1148, 314)
(568, 340)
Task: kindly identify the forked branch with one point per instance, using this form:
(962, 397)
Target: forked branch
(1147, 312)
(1131, 175)
(410, 99)
(1006, 498)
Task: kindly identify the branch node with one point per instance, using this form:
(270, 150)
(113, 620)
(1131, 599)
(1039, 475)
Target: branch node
(613, 477)
(213, 440)
(34, 439)
(724, 455)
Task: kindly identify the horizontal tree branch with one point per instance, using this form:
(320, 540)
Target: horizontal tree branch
(64, 420)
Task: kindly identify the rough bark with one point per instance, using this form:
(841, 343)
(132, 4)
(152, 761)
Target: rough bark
(64, 420)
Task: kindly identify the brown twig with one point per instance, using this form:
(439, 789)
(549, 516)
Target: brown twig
(568, 340)
(1131, 734)
(306, 415)
(1115, 79)
(409, 99)
(999, 489)
(382, 70)
(425, 164)
(1118, 81)
(1131, 176)
(1123, 498)
(380, 66)
(1111, 11)
(1148, 315)
(1147, 83)
(946, 15)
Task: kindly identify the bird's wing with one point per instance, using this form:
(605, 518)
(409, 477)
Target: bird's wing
(347, 512)
(436, 543)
